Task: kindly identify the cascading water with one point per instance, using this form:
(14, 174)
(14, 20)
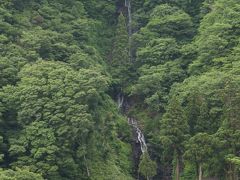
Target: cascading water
(140, 135)
(138, 143)
(120, 100)
(129, 11)
(128, 5)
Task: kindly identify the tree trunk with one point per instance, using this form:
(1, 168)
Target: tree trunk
(235, 173)
(200, 172)
(197, 170)
(88, 172)
(177, 169)
(230, 173)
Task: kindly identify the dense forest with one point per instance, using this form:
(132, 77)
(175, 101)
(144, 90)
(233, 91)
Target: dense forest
(119, 89)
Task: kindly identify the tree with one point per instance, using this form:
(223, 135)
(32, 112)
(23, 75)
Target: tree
(9, 67)
(231, 99)
(158, 51)
(234, 160)
(192, 7)
(171, 21)
(155, 83)
(120, 51)
(147, 167)
(6, 3)
(53, 103)
(120, 55)
(1, 149)
(37, 149)
(174, 130)
(197, 110)
(19, 174)
(230, 140)
(218, 34)
(199, 149)
(57, 118)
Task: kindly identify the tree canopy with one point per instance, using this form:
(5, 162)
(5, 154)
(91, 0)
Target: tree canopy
(74, 72)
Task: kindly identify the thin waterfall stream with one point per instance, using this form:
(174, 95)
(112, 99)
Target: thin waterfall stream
(138, 143)
(129, 12)
(140, 135)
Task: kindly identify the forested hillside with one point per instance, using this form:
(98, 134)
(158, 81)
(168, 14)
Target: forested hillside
(119, 89)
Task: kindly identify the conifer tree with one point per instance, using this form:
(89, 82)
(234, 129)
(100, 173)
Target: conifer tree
(147, 167)
(120, 54)
(120, 51)
(174, 129)
(199, 149)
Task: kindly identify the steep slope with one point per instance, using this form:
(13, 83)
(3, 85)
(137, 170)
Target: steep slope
(57, 119)
(123, 89)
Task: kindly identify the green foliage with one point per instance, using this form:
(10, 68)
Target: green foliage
(174, 127)
(120, 54)
(234, 160)
(147, 167)
(155, 82)
(158, 51)
(19, 174)
(60, 60)
(201, 148)
(37, 150)
(192, 7)
(218, 34)
(231, 99)
(9, 68)
(120, 50)
(1, 149)
(165, 21)
(170, 21)
(56, 117)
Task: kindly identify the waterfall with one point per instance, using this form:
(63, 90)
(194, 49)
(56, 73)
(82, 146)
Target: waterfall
(139, 145)
(138, 142)
(140, 135)
(129, 11)
(120, 99)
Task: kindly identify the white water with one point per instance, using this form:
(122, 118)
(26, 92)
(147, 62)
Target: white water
(120, 100)
(128, 5)
(133, 122)
(140, 135)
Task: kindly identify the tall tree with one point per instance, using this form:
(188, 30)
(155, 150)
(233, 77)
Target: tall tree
(19, 174)
(173, 132)
(53, 103)
(199, 149)
(147, 167)
(120, 55)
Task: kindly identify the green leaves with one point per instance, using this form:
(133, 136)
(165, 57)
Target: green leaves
(36, 148)
(19, 174)
(147, 167)
(56, 117)
(234, 160)
(54, 105)
(155, 82)
(120, 54)
(1, 148)
(218, 35)
(174, 127)
(158, 51)
(200, 148)
(170, 21)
